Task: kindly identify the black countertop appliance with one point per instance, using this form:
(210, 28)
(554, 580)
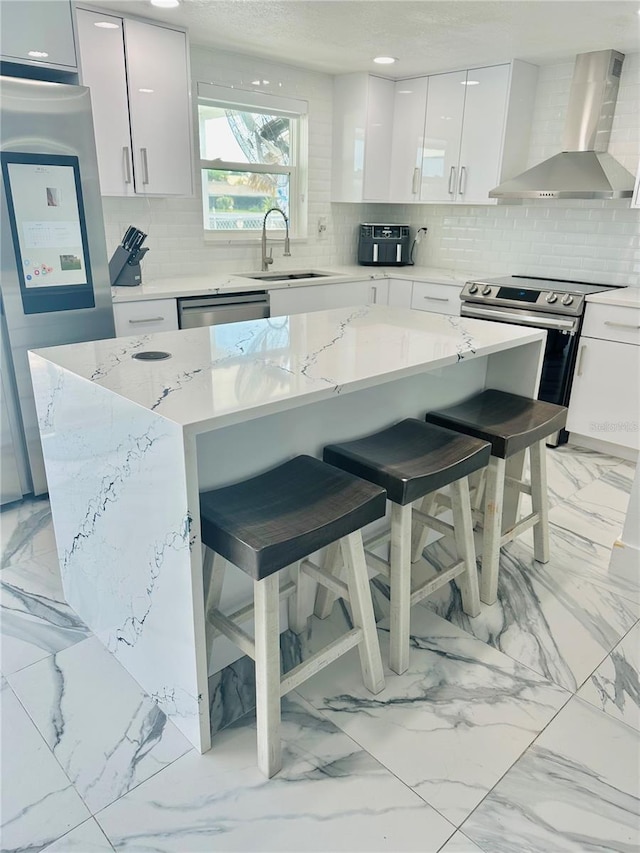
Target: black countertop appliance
(384, 245)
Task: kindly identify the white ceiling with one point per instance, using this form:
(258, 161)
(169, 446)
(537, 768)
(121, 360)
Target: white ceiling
(338, 36)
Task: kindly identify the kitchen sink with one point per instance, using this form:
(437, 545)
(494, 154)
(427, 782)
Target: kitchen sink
(286, 276)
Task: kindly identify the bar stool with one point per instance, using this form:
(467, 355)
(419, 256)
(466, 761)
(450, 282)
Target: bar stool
(511, 424)
(268, 523)
(410, 460)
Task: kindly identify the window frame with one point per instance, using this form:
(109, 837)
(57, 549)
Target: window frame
(264, 102)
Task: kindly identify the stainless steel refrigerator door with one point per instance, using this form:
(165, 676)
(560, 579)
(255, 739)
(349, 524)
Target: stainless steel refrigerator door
(51, 118)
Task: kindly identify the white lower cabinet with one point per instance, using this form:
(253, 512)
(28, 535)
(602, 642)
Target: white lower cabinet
(436, 297)
(322, 297)
(399, 292)
(148, 315)
(605, 398)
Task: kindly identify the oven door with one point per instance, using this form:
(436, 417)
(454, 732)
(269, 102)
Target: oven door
(560, 351)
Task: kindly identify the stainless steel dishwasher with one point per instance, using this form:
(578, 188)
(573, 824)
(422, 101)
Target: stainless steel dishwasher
(222, 308)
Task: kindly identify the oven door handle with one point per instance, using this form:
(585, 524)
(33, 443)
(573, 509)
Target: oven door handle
(481, 313)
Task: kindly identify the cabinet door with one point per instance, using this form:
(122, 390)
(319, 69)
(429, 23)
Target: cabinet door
(323, 297)
(160, 115)
(377, 146)
(605, 398)
(103, 71)
(407, 139)
(399, 295)
(482, 133)
(443, 127)
(38, 26)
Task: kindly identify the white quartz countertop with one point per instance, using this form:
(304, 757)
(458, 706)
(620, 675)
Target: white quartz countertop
(623, 296)
(211, 283)
(220, 375)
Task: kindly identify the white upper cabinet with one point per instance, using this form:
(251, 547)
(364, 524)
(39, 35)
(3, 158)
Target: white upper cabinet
(362, 124)
(40, 27)
(139, 80)
(476, 131)
(407, 139)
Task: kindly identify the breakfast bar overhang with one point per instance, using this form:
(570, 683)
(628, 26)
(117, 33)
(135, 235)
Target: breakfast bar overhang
(130, 442)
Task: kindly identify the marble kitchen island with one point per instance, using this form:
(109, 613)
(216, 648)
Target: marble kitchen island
(128, 444)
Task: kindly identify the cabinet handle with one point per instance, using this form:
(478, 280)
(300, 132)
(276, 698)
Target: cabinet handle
(147, 320)
(621, 325)
(436, 298)
(462, 183)
(145, 166)
(374, 294)
(415, 181)
(126, 163)
(580, 360)
(452, 180)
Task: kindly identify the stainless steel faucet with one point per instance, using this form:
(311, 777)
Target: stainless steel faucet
(266, 260)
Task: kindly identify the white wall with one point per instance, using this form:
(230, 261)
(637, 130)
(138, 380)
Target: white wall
(585, 240)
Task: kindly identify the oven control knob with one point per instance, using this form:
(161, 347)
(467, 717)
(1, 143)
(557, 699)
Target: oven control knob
(567, 299)
(486, 290)
(551, 297)
(473, 288)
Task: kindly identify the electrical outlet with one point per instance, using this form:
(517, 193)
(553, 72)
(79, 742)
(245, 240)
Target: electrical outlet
(322, 225)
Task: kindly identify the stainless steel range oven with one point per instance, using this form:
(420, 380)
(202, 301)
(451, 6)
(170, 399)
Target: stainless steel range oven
(551, 304)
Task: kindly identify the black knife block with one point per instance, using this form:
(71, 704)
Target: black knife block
(124, 267)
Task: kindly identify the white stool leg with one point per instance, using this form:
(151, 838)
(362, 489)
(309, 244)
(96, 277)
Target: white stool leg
(332, 562)
(400, 585)
(213, 569)
(267, 637)
(297, 616)
(463, 529)
(494, 497)
(419, 531)
(540, 500)
(362, 611)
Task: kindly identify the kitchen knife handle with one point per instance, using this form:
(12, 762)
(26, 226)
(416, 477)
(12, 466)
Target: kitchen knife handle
(462, 183)
(452, 180)
(415, 181)
(126, 164)
(145, 165)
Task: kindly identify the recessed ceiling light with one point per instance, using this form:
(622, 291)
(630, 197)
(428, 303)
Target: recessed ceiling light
(385, 60)
(146, 91)
(404, 92)
(165, 4)
(107, 25)
(469, 82)
(38, 54)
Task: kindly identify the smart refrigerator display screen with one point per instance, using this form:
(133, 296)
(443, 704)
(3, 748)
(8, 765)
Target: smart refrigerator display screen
(49, 232)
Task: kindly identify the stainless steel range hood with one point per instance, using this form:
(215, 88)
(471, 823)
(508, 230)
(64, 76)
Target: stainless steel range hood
(583, 169)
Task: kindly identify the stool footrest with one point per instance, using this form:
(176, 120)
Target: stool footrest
(321, 659)
(436, 583)
(433, 522)
(325, 578)
(226, 626)
(377, 562)
(520, 485)
(243, 614)
(524, 524)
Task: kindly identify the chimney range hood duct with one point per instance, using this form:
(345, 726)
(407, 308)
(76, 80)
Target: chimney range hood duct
(583, 169)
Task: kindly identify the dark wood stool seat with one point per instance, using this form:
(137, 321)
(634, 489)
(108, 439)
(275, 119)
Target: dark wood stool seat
(512, 424)
(412, 460)
(509, 422)
(266, 524)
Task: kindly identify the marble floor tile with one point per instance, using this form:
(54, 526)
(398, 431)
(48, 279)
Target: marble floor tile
(107, 735)
(596, 512)
(459, 843)
(86, 838)
(615, 685)
(452, 724)
(550, 619)
(571, 468)
(25, 531)
(38, 802)
(574, 790)
(330, 795)
(36, 621)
